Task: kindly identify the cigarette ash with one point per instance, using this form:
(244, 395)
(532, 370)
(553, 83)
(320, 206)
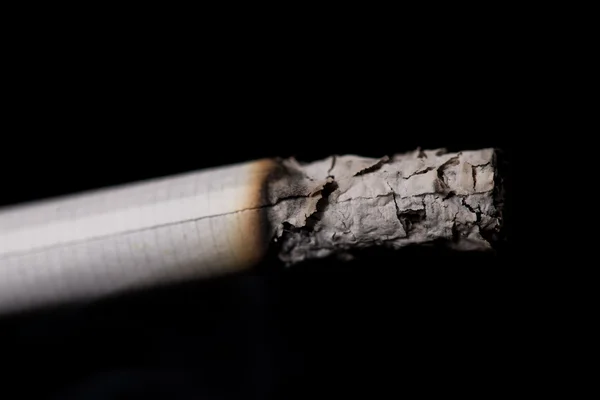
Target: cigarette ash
(347, 203)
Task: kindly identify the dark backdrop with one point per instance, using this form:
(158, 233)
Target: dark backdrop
(384, 323)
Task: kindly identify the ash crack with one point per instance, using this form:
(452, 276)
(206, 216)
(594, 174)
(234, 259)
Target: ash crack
(474, 211)
(423, 171)
(321, 206)
(455, 231)
(333, 160)
(442, 183)
(367, 198)
(408, 218)
(373, 167)
(395, 204)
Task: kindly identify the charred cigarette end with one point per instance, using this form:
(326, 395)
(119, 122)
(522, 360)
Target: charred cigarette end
(273, 184)
(253, 237)
(341, 204)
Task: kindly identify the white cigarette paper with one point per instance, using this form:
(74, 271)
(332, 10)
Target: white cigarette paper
(224, 219)
(172, 229)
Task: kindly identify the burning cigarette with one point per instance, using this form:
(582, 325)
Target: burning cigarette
(222, 220)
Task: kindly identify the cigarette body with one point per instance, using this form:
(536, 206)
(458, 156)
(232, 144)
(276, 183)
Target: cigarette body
(223, 220)
(90, 245)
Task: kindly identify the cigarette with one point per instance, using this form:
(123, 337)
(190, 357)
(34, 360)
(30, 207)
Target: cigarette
(224, 220)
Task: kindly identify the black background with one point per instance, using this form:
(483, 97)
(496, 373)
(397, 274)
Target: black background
(385, 323)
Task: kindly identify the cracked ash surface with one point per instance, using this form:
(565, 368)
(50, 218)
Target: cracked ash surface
(342, 203)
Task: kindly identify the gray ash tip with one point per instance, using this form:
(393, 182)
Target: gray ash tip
(418, 198)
